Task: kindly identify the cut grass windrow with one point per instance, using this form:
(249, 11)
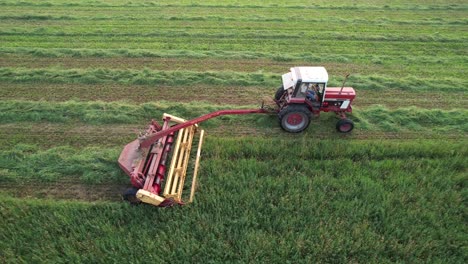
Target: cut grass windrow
(423, 47)
(337, 65)
(332, 5)
(246, 36)
(43, 17)
(147, 77)
(222, 54)
(90, 165)
(224, 78)
(370, 118)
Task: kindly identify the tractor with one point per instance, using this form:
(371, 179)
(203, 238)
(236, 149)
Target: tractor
(304, 93)
(158, 161)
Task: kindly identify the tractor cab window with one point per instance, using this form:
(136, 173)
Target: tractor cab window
(305, 87)
(320, 87)
(312, 91)
(302, 91)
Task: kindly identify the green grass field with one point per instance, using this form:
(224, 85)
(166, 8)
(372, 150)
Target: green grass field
(80, 79)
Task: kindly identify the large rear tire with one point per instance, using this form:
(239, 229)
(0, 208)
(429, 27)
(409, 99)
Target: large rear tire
(294, 118)
(344, 125)
(279, 93)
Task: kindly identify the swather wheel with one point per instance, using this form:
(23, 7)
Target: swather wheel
(294, 118)
(130, 196)
(279, 93)
(344, 125)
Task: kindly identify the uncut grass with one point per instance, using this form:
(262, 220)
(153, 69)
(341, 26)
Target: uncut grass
(374, 206)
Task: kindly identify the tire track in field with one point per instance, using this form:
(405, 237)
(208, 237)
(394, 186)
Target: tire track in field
(65, 190)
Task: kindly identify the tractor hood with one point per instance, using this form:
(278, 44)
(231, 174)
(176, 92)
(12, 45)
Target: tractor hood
(337, 93)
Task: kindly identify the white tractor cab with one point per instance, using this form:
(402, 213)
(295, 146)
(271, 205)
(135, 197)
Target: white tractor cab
(304, 92)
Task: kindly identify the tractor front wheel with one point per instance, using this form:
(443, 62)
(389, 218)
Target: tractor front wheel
(344, 125)
(294, 118)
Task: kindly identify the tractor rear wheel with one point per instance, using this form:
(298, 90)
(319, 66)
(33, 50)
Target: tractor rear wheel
(294, 118)
(130, 196)
(279, 93)
(344, 125)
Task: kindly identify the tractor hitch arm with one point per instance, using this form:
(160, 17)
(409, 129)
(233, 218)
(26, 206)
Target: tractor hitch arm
(151, 139)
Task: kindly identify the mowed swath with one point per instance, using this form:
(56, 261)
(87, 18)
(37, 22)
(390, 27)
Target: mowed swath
(79, 80)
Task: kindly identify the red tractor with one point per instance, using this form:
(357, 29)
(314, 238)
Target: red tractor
(158, 161)
(305, 93)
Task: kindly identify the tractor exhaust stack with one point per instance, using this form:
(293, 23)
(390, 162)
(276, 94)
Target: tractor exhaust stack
(344, 81)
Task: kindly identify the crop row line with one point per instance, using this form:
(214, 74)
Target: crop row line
(63, 135)
(227, 95)
(97, 164)
(332, 46)
(283, 57)
(204, 35)
(414, 7)
(370, 118)
(150, 77)
(93, 17)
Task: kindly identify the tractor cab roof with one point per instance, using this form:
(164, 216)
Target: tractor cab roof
(310, 74)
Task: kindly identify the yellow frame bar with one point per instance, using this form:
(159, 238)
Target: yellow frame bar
(174, 118)
(177, 172)
(197, 163)
(149, 197)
